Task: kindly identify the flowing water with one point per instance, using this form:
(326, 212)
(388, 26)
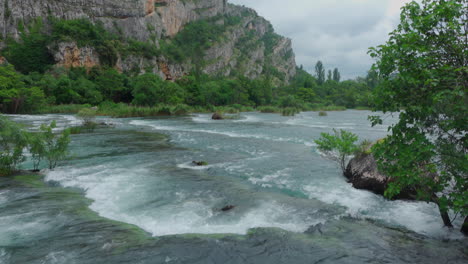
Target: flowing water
(131, 195)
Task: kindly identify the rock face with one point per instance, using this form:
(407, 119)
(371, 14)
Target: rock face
(70, 55)
(363, 174)
(153, 21)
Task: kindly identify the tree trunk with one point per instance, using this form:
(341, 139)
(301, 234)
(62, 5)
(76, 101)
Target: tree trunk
(444, 214)
(464, 228)
(446, 218)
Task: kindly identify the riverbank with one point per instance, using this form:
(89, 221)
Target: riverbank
(124, 111)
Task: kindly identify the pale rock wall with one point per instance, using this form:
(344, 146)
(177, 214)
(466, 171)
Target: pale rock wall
(146, 19)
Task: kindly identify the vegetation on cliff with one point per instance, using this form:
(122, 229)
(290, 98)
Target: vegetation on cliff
(35, 82)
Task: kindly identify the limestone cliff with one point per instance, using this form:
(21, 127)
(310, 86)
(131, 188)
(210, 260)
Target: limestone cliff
(249, 48)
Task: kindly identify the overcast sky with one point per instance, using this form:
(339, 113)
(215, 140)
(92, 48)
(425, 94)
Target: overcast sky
(337, 32)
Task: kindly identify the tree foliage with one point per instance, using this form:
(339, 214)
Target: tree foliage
(424, 71)
(42, 145)
(54, 145)
(342, 142)
(30, 53)
(320, 72)
(12, 142)
(15, 96)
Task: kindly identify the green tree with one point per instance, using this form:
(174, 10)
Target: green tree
(88, 116)
(111, 83)
(37, 149)
(146, 89)
(338, 146)
(12, 142)
(320, 72)
(336, 75)
(424, 70)
(55, 146)
(330, 75)
(15, 97)
(306, 94)
(30, 53)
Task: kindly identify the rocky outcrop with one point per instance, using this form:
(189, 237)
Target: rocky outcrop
(152, 21)
(362, 173)
(70, 55)
(217, 116)
(131, 16)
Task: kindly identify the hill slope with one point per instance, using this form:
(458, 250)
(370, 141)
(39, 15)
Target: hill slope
(168, 37)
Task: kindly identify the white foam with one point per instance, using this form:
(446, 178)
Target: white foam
(4, 256)
(196, 217)
(19, 226)
(280, 178)
(223, 133)
(249, 119)
(111, 189)
(191, 166)
(420, 217)
(203, 118)
(59, 257)
(3, 196)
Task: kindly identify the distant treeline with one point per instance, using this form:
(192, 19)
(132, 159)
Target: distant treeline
(31, 81)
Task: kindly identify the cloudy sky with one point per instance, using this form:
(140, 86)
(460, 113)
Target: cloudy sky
(337, 32)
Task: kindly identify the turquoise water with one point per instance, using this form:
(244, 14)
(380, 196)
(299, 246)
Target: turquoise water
(130, 195)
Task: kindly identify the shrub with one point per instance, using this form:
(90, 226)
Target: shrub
(269, 109)
(342, 142)
(55, 145)
(181, 109)
(364, 148)
(88, 116)
(12, 142)
(290, 111)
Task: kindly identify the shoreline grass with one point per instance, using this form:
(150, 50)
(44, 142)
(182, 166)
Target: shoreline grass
(122, 110)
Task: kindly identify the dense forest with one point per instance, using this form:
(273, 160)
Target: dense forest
(31, 81)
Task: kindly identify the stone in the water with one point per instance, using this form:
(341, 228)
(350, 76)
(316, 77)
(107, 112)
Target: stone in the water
(228, 208)
(363, 174)
(200, 163)
(217, 116)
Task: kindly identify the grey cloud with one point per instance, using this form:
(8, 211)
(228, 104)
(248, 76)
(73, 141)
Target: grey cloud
(335, 31)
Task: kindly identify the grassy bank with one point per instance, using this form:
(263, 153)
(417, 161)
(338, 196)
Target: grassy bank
(124, 110)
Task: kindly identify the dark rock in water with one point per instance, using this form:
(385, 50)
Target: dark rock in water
(363, 174)
(217, 116)
(200, 163)
(228, 208)
(315, 230)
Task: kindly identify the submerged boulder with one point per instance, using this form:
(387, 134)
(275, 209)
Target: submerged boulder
(217, 116)
(228, 208)
(362, 173)
(200, 163)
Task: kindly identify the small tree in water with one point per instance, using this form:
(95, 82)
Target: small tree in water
(88, 115)
(342, 142)
(12, 142)
(54, 147)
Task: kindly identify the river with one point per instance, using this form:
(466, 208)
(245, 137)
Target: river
(129, 194)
